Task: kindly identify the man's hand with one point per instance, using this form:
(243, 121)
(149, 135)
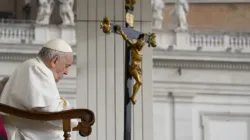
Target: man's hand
(119, 28)
(66, 104)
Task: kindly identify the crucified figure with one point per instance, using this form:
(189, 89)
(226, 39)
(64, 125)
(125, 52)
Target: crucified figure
(135, 66)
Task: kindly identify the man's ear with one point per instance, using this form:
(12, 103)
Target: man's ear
(54, 61)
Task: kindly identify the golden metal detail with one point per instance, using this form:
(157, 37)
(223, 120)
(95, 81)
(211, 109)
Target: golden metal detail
(130, 4)
(152, 40)
(130, 19)
(105, 25)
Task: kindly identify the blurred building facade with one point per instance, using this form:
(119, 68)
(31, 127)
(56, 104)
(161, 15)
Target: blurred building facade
(201, 71)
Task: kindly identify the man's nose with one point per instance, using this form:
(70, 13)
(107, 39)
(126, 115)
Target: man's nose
(66, 72)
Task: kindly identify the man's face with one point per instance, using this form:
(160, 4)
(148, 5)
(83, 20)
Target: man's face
(60, 65)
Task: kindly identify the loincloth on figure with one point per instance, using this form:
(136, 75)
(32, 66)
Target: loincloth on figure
(134, 69)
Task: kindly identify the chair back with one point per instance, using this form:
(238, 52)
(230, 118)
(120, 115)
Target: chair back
(3, 134)
(3, 83)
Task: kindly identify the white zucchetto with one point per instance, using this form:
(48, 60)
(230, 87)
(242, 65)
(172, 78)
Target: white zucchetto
(58, 45)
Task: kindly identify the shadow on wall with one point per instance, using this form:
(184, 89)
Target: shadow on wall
(2, 83)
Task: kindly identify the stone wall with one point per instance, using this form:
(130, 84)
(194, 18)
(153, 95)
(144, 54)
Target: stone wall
(231, 16)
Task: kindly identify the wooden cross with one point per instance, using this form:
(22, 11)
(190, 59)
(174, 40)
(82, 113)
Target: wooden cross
(133, 54)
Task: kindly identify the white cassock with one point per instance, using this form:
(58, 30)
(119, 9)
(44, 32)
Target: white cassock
(32, 86)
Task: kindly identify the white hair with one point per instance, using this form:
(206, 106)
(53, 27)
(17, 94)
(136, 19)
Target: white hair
(47, 53)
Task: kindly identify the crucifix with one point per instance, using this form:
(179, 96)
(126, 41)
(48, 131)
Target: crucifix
(133, 58)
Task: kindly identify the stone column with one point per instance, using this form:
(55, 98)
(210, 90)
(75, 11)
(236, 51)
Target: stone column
(100, 70)
(183, 124)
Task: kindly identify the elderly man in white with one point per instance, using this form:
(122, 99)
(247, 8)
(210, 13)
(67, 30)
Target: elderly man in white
(32, 86)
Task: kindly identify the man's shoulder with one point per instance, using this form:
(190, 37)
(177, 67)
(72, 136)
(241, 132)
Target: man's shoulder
(26, 66)
(34, 65)
(30, 63)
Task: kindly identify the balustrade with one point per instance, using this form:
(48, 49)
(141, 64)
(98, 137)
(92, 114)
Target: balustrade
(27, 32)
(204, 40)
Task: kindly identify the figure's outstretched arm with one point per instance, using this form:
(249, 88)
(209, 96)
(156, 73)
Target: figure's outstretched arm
(124, 36)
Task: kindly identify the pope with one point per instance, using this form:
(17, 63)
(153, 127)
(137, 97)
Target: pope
(33, 87)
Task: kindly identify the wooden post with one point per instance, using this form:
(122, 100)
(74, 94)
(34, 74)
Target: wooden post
(66, 129)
